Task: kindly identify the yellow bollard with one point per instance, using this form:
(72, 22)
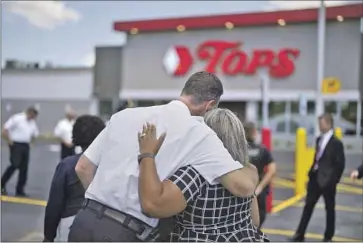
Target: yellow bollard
(300, 151)
(338, 132)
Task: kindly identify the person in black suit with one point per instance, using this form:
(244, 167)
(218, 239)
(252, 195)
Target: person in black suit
(358, 173)
(324, 176)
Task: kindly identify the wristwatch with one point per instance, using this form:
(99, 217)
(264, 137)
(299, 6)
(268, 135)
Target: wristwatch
(145, 155)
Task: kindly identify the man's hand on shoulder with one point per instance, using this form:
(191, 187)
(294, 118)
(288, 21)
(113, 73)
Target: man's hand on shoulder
(241, 182)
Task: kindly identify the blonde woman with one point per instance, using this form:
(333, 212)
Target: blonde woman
(203, 212)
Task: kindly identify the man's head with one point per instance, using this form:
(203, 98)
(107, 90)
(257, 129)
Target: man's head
(326, 122)
(70, 113)
(202, 92)
(251, 131)
(31, 113)
(86, 129)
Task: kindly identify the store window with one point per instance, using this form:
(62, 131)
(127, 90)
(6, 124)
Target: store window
(349, 117)
(275, 108)
(290, 126)
(239, 108)
(330, 107)
(298, 121)
(145, 103)
(295, 107)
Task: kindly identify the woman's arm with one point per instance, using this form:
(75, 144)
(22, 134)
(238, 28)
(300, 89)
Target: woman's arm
(158, 199)
(255, 212)
(53, 211)
(162, 199)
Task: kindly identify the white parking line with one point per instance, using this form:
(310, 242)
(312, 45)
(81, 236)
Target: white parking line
(35, 236)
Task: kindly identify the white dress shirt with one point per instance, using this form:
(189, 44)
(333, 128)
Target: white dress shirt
(189, 141)
(324, 139)
(63, 130)
(21, 129)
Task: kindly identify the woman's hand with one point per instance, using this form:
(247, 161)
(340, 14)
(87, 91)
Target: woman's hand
(148, 142)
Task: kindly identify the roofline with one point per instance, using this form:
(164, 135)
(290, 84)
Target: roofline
(47, 69)
(349, 11)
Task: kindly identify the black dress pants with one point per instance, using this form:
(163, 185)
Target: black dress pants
(261, 199)
(165, 227)
(89, 226)
(314, 191)
(19, 160)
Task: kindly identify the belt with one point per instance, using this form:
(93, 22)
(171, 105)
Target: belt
(143, 231)
(21, 143)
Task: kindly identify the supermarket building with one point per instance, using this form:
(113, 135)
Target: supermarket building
(160, 55)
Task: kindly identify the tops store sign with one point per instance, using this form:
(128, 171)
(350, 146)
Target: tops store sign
(230, 59)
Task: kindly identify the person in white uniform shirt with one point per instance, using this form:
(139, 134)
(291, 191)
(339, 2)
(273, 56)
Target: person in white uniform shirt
(63, 131)
(109, 168)
(19, 131)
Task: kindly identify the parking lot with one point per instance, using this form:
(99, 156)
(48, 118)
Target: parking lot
(22, 218)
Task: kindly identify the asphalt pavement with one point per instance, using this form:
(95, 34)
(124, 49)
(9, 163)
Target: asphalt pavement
(22, 219)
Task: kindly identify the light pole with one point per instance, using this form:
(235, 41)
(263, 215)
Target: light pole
(319, 104)
(265, 89)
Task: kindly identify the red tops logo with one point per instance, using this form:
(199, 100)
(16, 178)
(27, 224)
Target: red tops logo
(229, 58)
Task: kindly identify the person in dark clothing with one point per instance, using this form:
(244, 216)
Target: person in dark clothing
(324, 176)
(358, 173)
(260, 157)
(67, 193)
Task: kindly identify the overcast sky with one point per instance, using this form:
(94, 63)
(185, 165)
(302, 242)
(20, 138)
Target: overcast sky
(65, 33)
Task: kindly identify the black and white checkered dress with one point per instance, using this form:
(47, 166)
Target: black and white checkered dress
(212, 214)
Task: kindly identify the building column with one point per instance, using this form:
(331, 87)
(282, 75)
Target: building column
(287, 116)
(359, 118)
(94, 107)
(339, 109)
(251, 111)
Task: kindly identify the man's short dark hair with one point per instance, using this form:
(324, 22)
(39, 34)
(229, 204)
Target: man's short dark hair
(203, 86)
(328, 118)
(85, 129)
(33, 110)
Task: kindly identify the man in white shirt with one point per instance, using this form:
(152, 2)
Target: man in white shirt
(63, 131)
(108, 169)
(19, 131)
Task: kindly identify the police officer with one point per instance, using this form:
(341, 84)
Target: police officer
(19, 131)
(63, 131)
(262, 159)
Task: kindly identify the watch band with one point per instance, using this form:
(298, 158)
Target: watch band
(145, 155)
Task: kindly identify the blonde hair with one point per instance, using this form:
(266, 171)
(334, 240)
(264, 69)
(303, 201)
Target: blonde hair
(230, 131)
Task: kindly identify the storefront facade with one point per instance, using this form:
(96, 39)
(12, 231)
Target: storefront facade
(161, 54)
